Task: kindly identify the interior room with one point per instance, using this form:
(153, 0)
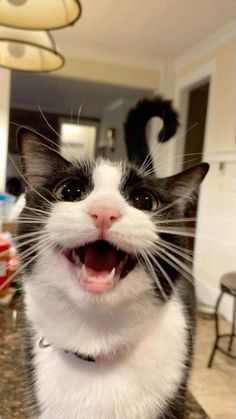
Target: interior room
(104, 60)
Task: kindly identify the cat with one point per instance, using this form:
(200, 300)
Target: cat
(111, 316)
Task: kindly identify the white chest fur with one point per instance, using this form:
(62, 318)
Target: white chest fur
(134, 386)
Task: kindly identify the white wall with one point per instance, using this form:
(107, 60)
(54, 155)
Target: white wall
(216, 242)
(5, 77)
(215, 248)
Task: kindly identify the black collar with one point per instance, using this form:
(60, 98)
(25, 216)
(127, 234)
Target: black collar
(44, 344)
(87, 358)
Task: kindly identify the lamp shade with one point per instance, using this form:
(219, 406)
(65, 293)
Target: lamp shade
(38, 14)
(28, 50)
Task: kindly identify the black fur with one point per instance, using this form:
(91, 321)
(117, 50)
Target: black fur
(136, 122)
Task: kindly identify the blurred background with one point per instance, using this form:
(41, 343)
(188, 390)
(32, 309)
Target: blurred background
(114, 54)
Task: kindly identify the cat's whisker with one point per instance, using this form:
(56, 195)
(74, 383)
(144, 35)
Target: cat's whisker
(153, 274)
(35, 234)
(24, 265)
(187, 275)
(26, 181)
(69, 157)
(178, 252)
(173, 220)
(45, 119)
(163, 271)
(36, 133)
(175, 246)
(186, 231)
(79, 112)
(19, 220)
(185, 267)
(51, 149)
(27, 221)
(151, 156)
(170, 205)
(39, 238)
(72, 115)
(33, 239)
(31, 217)
(58, 150)
(180, 158)
(176, 160)
(34, 248)
(25, 235)
(154, 157)
(149, 160)
(30, 252)
(192, 233)
(24, 255)
(175, 259)
(37, 210)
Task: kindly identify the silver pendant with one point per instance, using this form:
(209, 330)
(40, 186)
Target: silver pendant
(43, 344)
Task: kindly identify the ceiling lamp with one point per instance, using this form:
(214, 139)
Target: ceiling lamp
(28, 50)
(38, 14)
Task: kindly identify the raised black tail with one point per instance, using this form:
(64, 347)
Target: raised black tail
(135, 127)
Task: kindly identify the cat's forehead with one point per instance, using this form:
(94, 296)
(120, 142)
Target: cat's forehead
(117, 175)
(107, 175)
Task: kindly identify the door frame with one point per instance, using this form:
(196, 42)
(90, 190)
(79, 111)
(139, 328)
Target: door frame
(186, 83)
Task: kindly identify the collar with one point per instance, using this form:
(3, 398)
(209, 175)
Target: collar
(87, 358)
(44, 344)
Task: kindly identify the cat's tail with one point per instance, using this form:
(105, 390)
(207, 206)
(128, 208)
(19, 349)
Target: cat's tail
(136, 122)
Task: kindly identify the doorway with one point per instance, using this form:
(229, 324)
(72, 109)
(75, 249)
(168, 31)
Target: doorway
(196, 123)
(196, 116)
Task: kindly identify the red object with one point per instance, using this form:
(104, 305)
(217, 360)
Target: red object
(4, 263)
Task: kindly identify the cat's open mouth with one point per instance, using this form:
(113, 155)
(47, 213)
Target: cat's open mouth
(99, 266)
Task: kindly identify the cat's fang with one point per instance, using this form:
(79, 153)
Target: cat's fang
(84, 273)
(111, 275)
(88, 274)
(97, 282)
(75, 257)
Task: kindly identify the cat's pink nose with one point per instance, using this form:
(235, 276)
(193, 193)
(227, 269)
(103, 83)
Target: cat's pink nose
(103, 217)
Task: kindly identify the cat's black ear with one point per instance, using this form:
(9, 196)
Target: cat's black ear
(185, 185)
(38, 155)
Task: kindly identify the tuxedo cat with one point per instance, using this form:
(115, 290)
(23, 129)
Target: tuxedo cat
(107, 289)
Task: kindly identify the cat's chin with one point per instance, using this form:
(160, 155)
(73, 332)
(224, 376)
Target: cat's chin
(98, 266)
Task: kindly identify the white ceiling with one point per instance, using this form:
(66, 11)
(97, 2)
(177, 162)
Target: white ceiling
(143, 32)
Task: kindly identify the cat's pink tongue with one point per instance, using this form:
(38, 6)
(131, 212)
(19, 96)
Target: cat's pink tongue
(100, 261)
(98, 271)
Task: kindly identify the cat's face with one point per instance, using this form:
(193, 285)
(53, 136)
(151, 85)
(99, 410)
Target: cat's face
(94, 230)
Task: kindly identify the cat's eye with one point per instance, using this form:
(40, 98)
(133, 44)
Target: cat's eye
(69, 191)
(144, 200)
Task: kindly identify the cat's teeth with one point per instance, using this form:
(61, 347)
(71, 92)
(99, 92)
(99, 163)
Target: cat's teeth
(84, 272)
(75, 257)
(110, 276)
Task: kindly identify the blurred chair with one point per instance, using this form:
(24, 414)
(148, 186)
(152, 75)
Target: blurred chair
(228, 286)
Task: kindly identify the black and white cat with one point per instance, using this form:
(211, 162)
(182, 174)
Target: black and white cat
(111, 316)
